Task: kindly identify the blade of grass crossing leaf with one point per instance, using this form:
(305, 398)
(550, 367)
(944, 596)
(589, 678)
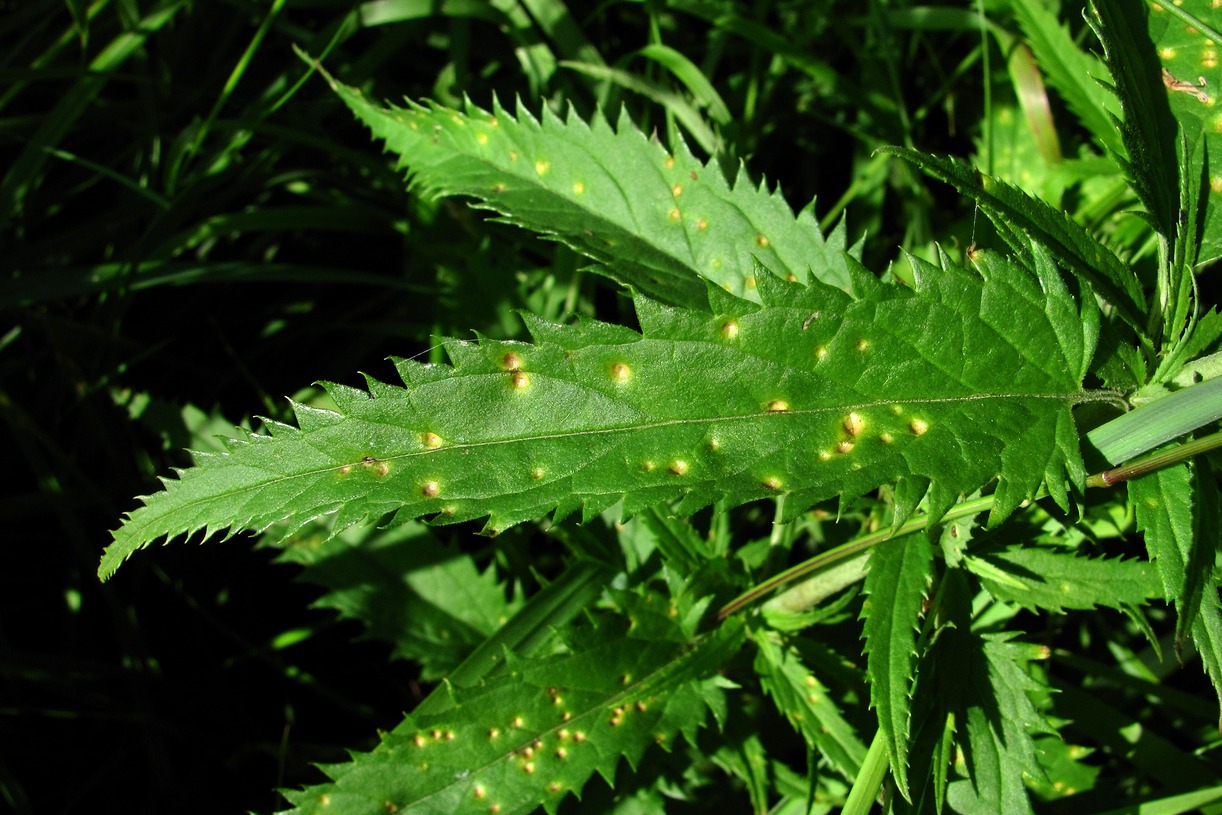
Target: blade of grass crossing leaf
(896, 583)
(674, 104)
(1150, 425)
(687, 72)
(1195, 801)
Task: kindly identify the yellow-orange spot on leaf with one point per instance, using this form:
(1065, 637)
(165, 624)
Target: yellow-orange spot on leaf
(675, 215)
(810, 681)
(579, 737)
(554, 787)
(435, 733)
(853, 424)
(771, 483)
(536, 474)
(513, 155)
(495, 809)
(430, 489)
(519, 380)
(482, 138)
(579, 187)
(918, 427)
(493, 732)
(825, 455)
(430, 440)
(518, 722)
(702, 224)
(863, 344)
(778, 406)
(886, 438)
(647, 466)
(449, 735)
(640, 706)
(670, 162)
(492, 120)
(498, 187)
(729, 330)
(479, 792)
(529, 767)
(621, 373)
(762, 241)
(542, 166)
(714, 445)
(678, 467)
(1166, 53)
(897, 409)
(844, 447)
(418, 740)
(564, 734)
(676, 190)
(821, 353)
(562, 753)
(511, 361)
(749, 283)
(344, 470)
(716, 264)
(324, 800)
(1215, 183)
(381, 469)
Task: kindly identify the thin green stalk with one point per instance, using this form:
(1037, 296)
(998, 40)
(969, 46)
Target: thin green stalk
(870, 780)
(1155, 461)
(846, 551)
(832, 557)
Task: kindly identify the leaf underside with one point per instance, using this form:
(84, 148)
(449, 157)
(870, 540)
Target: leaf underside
(811, 395)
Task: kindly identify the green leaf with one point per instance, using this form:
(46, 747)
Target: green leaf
(535, 734)
(427, 600)
(1148, 129)
(1040, 577)
(655, 220)
(806, 702)
(999, 721)
(811, 395)
(1163, 504)
(896, 583)
(1188, 47)
(1024, 220)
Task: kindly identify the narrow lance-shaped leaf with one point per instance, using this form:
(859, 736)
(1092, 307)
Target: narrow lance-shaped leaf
(895, 588)
(536, 734)
(811, 395)
(1039, 577)
(1021, 219)
(655, 220)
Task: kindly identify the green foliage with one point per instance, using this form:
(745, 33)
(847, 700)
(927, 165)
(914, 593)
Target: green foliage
(741, 404)
(810, 395)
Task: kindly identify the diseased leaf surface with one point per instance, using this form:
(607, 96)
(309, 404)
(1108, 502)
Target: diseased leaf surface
(535, 734)
(811, 395)
(654, 220)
